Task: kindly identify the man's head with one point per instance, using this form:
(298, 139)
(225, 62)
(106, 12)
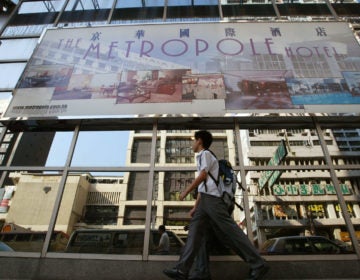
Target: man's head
(203, 140)
(162, 228)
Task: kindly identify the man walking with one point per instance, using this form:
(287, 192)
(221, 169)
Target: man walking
(211, 208)
(164, 243)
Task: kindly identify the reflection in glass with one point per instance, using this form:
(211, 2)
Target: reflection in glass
(104, 213)
(297, 202)
(12, 72)
(179, 2)
(13, 49)
(33, 148)
(6, 145)
(101, 148)
(25, 30)
(27, 201)
(349, 182)
(41, 6)
(76, 5)
(175, 183)
(140, 151)
(176, 151)
(59, 149)
(130, 4)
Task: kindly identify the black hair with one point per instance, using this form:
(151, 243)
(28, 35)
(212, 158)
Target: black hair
(162, 228)
(205, 136)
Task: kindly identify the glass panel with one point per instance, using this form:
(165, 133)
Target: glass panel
(178, 150)
(349, 181)
(27, 214)
(347, 140)
(46, 148)
(347, 8)
(192, 2)
(129, 4)
(6, 145)
(85, 13)
(102, 148)
(25, 30)
(80, 5)
(289, 207)
(154, 3)
(240, 2)
(17, 49)
(59, 149)
(103, 213)
(182, 11)
(5, 98)
(179, 2)
(205, 2)
(346, 156)
(41, 6)
(177, 158)
(306, 9)
(12, 72)
(32, 17)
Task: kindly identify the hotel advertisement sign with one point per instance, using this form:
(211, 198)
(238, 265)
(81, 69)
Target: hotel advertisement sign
(194, 68)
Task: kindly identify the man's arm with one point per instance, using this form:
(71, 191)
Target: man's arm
(161, 243)
(200, 178)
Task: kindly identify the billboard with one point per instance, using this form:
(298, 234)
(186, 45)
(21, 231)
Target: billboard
(199, 69)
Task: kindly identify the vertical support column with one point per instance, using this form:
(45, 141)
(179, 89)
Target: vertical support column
(56, 22)
(165, 10)
(243, 182)
(60, 192)
(337, 188)
(220, 10)
(150, 192)
(112, 11)
(332, 11)
(276, 8)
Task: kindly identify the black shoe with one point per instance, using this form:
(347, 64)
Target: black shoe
(258, 273)
(175, 274)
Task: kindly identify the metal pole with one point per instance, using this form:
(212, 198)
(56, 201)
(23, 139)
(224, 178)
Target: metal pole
(111, 12)
(243, 182)
(150, 192)
(276, 9)
(60, 13)
(332, 10)
(165, 10)
(220, 10)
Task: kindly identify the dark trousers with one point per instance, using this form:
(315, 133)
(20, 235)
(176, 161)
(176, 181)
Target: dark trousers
(212, 210)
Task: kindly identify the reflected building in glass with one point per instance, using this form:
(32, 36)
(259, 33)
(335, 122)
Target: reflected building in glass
(282, 202)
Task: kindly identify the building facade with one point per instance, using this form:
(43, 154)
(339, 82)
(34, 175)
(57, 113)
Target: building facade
(300, 170)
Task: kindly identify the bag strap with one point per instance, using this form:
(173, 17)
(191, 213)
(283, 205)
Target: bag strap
(209, 173)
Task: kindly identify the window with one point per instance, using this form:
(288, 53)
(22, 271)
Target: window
(179, 151)
(134, 215)
(175, 183)
(101, 215)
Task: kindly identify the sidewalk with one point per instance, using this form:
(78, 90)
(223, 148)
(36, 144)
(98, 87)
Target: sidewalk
(94, 269)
